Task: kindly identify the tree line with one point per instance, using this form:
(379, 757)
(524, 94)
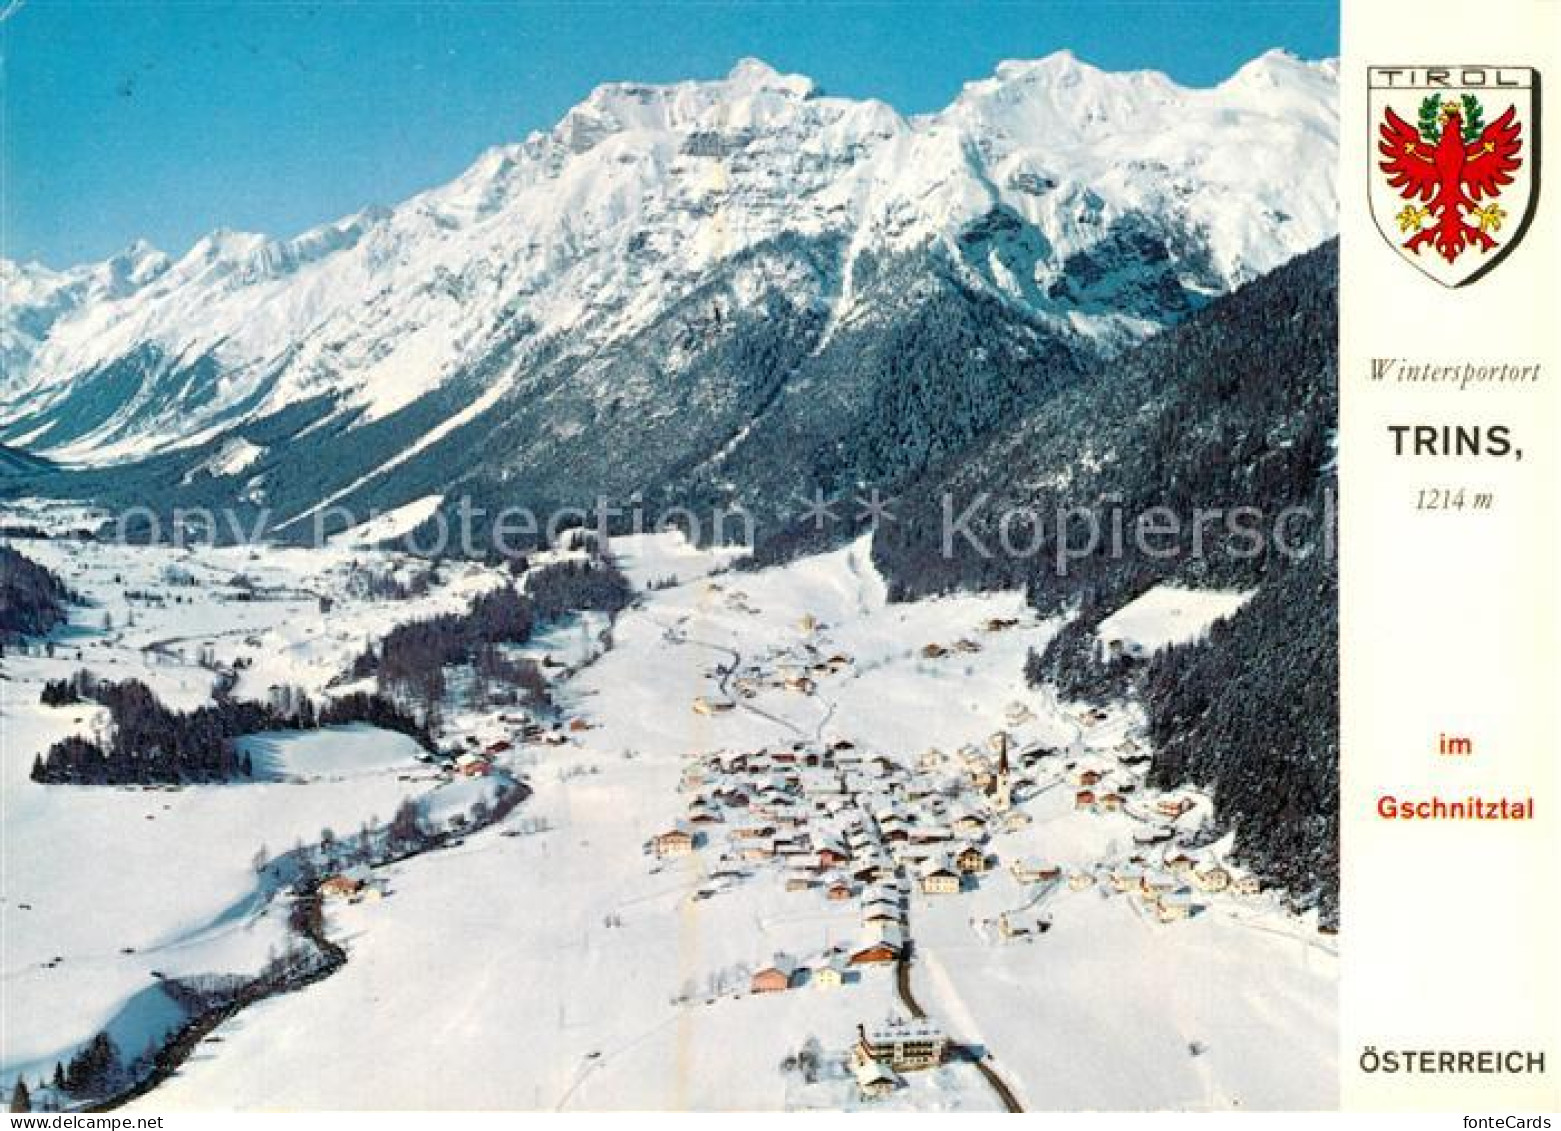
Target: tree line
(410, 661)
(149, 743)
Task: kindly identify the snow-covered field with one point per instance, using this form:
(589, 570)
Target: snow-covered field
(107, 890)
(551, 962)
(1166, 615)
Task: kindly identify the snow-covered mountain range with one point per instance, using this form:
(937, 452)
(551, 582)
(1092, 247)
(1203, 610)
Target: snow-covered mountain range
(714, 271)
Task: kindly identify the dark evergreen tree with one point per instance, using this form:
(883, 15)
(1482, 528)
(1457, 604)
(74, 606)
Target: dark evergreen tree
(96, 1069)
(32, 597)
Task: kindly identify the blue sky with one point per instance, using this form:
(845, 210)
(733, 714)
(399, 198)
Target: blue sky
(164, 121)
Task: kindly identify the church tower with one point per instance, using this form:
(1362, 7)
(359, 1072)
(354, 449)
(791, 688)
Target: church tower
(1002, 788)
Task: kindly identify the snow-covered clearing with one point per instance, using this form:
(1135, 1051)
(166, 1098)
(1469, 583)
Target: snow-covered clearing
(1168, 614)
(654, 559)
(392, 524)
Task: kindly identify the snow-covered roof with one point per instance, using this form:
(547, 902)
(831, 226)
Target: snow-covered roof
(904, 1029)
(872, 1072)
(782, 963)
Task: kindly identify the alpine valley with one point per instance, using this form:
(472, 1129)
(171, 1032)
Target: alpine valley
(853, 813)
(734, 291)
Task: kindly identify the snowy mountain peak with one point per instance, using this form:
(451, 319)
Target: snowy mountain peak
(1061, 65)
(1274, 66)
(749, 75)
(1100, 204)
(139, 262)
(753, 94)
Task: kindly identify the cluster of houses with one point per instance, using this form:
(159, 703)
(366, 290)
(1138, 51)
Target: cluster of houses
(933, 650)
(882, 944)
(799, 672)
(477, 761)
(835, 820)
(1172, 886)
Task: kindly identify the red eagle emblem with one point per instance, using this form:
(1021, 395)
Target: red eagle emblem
(1445, 167)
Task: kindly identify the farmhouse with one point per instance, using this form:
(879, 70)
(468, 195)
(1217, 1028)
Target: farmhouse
(775, 977)
(830, 975)
(676, 841)
(882, 947)
(875, 1080)
(1084, 799)
(874, 954)
(970, 860)
(831, 854)
(473, 766)
(1181, 864)
(341, 887)
(880, 910)
(1175, 905)
(1032, 871)
(939, 878)
(1127, 877)
(1212, 878)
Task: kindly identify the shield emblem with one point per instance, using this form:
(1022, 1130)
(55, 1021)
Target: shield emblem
(1454, 175)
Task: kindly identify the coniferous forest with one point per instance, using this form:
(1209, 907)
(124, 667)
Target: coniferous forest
(32, 598)
(1235, 408)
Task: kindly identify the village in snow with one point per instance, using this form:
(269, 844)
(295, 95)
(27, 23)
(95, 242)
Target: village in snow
(772, 842)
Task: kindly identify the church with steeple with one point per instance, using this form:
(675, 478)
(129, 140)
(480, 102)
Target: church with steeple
(1000, 794)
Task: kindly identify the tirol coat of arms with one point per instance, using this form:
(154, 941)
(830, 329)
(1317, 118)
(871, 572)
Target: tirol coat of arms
(1455, 169)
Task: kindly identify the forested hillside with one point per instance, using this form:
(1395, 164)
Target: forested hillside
(1234, 409)
(32, 598)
